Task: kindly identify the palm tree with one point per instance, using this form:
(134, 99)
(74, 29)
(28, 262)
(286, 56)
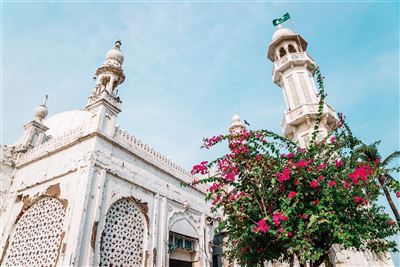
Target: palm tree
(370, 153)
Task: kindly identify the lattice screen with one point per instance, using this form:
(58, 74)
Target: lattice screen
(123, 235)
(37, 236)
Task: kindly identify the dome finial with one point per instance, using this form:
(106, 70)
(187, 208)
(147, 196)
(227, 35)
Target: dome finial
(46, 97)
(118, 44)
(41, 110)
(114, 57)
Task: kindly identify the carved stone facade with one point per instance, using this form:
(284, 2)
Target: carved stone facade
(79, 191)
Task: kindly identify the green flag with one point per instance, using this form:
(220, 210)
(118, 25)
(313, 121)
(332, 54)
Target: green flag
(282, 19)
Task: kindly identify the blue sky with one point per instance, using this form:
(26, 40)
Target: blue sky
(189, 66)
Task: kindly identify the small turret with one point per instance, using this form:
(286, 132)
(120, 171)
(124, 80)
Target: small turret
(34, 131)
(237, 126)
(104, 102)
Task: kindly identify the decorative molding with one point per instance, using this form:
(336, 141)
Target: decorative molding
(151, 155)
(50, 145)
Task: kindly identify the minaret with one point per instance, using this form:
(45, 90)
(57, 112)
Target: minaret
(293, 73)
(104, 101)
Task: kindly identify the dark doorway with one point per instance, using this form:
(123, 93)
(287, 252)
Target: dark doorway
(178, 263)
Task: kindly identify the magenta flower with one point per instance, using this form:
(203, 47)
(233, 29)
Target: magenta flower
(314, 183)
(200, 168)
(331, 183)
(262, 226)
(339, 163)
(292, 194)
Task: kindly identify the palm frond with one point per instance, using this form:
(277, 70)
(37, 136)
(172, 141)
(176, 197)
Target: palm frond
(368, 152)
(390, 158)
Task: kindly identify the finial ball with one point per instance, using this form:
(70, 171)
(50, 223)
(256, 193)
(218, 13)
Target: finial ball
(41, 113)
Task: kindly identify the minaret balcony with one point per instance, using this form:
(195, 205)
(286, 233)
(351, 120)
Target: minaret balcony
(288, 61)
(306, 112)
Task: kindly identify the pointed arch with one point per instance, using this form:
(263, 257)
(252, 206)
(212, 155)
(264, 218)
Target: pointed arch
(36, 238)
(291, 49)
(282, 52)
(122, 239)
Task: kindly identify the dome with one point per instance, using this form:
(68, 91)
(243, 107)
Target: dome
(281, 31)
(66, 121)
(115, 54)
(236, 121)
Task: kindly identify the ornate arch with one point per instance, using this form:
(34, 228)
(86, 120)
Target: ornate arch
(36, 237)
(122, 239)
(181, 215)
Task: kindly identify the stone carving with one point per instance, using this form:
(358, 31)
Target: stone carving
(123, 235)
(293, 92)
(37, 237)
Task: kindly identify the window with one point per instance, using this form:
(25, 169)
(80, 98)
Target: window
(291, 49)
(177, 241)
(123, 235)
(37, 236)
(282, 52)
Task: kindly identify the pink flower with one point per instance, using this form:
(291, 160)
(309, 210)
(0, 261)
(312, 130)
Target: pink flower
(398, 194)
(278, 217)
(209, 142)
(214, 187)
(362, 172)
(289, 234)
(216, 200)
(280, 230)
(302, 164)
(292, 194)
(290, 155)
(284, 176)
(391, 223)
(332, 139)
(321, 166)
(302, 216)
(346, 184)
(320, 178)
(261, 226)
(314, 183)
(230, 176)
(331, 183)
(316, 202)
(339, 163)
(200, 168)
(360, 200)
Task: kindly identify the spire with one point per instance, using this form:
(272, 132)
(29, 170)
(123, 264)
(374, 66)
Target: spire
(236, 126)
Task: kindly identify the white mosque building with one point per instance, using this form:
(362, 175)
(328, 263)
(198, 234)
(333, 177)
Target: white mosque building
(76, 190)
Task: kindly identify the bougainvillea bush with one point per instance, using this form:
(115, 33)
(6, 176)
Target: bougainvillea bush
(279, 201)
